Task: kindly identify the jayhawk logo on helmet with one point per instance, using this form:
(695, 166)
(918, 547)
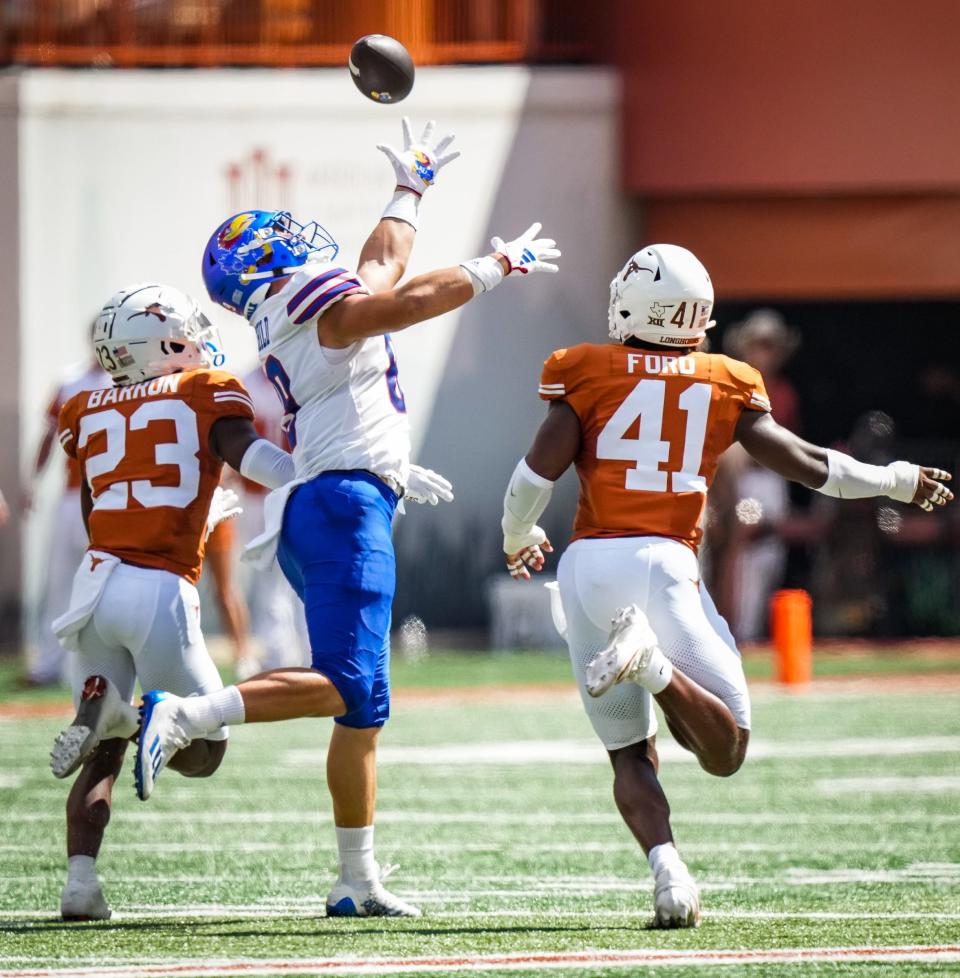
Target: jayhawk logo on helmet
(229, 235)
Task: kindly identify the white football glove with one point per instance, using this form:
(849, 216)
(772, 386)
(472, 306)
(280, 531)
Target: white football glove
(416, 168)
(527, 252)
(427, 486)
(223, 506)
(526, 551)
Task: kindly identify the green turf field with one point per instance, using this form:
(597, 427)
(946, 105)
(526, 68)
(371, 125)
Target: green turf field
(841, 831)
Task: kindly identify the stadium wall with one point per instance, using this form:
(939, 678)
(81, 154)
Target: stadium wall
(121, 177)
(801, 150)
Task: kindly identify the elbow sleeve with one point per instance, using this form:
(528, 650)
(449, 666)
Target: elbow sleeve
(267, 464)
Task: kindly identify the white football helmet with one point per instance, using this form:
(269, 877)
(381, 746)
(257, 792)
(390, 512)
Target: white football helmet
(662, 295)
(148, 330)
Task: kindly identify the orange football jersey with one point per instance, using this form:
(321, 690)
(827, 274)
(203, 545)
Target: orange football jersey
(143, 450)
(653, 427)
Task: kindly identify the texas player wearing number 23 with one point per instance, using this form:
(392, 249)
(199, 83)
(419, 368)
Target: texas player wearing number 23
(645, 419)
(150, 451)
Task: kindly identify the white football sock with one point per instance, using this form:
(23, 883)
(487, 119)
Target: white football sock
(204, 714)
(356, 853)
(663, 857)
(656, 677)
(82, 869)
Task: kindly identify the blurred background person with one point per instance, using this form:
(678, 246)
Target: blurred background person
(750, 520)
(68, 537)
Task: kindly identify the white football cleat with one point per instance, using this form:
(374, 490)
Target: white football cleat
(83, 901)
(626, 656)
(367, 898)
(676, 899)
(161, 736)
(101, 715)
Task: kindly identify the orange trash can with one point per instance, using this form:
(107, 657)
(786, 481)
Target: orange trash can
(791, 628)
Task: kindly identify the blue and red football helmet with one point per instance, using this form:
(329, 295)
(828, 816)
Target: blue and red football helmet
(250, 249)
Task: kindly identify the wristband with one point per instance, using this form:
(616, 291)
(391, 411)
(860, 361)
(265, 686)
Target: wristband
(404, 206)
(485, 273)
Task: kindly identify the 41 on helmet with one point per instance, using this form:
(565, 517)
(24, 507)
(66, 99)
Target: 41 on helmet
(663, 295)
(147, 330)
(250, 249)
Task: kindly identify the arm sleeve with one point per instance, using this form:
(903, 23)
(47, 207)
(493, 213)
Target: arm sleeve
(266, 464)
(527, 496)
(318, 288)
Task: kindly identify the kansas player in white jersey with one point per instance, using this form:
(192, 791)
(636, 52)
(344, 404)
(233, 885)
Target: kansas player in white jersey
(324, 338)
(349, 411)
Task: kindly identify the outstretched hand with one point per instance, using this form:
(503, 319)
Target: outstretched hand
(527, 552)
(528, 253)
(416, 166)
(930, 489)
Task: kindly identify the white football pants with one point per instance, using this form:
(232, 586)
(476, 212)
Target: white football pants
(146, 626)
(662, 577)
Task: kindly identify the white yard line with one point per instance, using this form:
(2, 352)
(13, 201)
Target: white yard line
(888, 785)
(521, 961)
(523, 752)
(626, 850)
(423, 818)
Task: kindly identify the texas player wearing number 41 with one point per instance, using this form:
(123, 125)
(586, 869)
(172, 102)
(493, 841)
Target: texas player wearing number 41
(645, 419)
(150, 451)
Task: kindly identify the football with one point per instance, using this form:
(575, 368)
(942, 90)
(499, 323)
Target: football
(381, 67)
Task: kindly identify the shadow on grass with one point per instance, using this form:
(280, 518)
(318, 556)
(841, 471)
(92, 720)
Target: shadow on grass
(48, 924)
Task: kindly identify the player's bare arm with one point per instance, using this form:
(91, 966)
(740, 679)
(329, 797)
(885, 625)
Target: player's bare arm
(384, 257)
(835, 473)
(358, 316)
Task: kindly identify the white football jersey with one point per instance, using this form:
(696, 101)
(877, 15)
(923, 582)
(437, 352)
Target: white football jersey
(343, 409)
